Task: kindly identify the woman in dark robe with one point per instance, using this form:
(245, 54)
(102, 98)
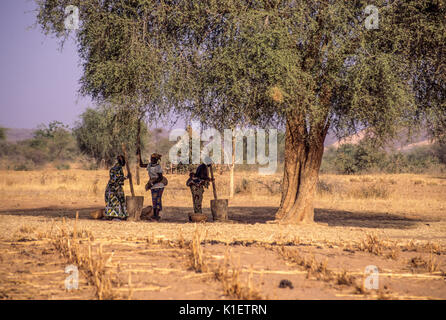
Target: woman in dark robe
(197, 182)
(114, 193)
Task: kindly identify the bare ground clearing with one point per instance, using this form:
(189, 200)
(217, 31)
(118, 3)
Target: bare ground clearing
(404, 235)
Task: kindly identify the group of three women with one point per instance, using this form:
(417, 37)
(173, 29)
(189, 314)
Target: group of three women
(115, 208)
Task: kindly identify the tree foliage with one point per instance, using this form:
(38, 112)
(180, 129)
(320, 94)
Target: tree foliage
(256, 61)
(51, 143)
(364, 158)
(2, 134)
(101, 132)
(351, 159)
(55, 140)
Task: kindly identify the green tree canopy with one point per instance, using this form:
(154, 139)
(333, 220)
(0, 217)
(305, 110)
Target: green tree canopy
(101, 132)
(56, 140)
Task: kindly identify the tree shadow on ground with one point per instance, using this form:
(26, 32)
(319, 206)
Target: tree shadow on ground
(252, 215)
(52, 212)
(246, 215)
(367, 219)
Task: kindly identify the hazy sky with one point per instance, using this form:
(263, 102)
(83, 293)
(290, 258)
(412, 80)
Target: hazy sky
(38, 82)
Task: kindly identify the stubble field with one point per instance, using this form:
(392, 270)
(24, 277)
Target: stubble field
(394, 222)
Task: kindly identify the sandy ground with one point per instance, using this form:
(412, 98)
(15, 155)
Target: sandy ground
(404, 236)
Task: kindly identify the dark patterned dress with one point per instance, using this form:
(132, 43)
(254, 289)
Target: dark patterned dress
(114, 194)
(197, 189)
(197, 197)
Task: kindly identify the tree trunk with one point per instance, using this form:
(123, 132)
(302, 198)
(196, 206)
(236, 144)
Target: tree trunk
(231, 181)
(138, 147)
(137, 174)
(303, 156)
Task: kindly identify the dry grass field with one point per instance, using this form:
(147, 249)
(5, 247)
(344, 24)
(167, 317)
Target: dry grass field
(394, 222)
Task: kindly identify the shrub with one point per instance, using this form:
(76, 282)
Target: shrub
(27, 165)
(90, 166)
(50, 143)
(63, 166)
(243, 187)
(352, 159)
(374, 191)
(324, 187)
(101, 131)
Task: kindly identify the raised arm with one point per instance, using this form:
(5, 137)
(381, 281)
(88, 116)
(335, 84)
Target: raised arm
(141, 164)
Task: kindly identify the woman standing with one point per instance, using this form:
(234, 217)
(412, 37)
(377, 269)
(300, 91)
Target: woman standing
(155, 183)
(114, 193)
(197, 182)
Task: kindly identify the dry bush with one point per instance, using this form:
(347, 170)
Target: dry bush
(181, 241)
(311, 265)
(274, 187)
(348, 247)
(94, 268)
(324, 187)
(151, 238)
(68, 178)
(430, 265)
(244, 186)
(382, 295)
(196, 255)
(429, 247)
(360, 288)
(392, 181)
(411, 246)
(27, 229)
(418, 182)
(417, 262)
(393, 254)
(372, 244)
(373, 191)
(233, 287)
(95, 187)
(388, 181)
(82, 234)
(44, 178)
(345, 279)
(433, 247)
(319, 269)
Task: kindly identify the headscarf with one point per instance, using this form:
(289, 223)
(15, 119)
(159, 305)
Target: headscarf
(121, 160)
(155, 156)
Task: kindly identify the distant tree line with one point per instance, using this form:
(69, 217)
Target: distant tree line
(94, 142)
(96, 139)
(101, 132)
(365, 158)
(50, 143)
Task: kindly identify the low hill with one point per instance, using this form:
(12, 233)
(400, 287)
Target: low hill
(400, 144)
(15, 134)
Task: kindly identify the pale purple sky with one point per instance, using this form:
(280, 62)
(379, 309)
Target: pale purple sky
(38, 82)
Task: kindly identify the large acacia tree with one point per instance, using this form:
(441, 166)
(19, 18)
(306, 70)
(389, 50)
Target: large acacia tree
(310, 65)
